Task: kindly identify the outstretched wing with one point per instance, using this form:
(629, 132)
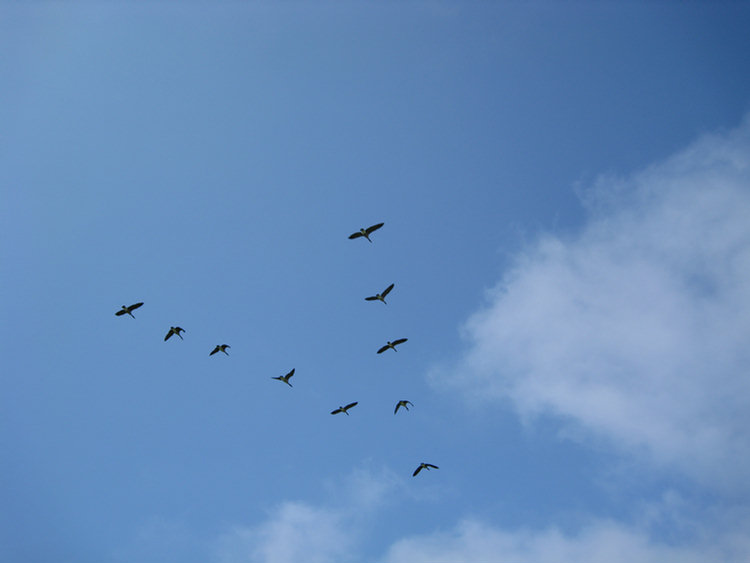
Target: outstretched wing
(387, 290)
(371, 298)
(170, 333)
(416, 471)
(433, 466)
(290, 374)
(337, 411)
(121, 312)
(383, 349)
(355, 235)
(369, 230)
(397, 406)
(399, 341)
(135, 306)
(350, 405)
(218, 348)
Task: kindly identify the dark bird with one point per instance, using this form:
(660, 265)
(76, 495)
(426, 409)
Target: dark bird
(402, 404)
(392, 345)
(344, 409)
(128, 310)
(220, 348)
(285, 378)
(422, 466)
(366, 232)
(174, 330)
(380, 296)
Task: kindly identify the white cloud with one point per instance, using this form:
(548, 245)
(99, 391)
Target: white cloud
(601, 541)
(294, 532)
(638, 327)
(302, 532)
(298, 531)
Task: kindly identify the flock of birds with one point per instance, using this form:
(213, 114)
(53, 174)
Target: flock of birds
(364, 232)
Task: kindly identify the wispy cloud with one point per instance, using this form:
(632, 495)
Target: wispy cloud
(304, 532)
(369, 488)
(294, 532)
(299, 531)
(637, 327)
(326, 533)
(602, 540)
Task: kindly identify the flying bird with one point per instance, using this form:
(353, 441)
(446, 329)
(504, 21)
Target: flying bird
(128, 310)
(380, 296)
(344, 409)
(422, 466)
(220, 348)
(366, 232)
(402, 404)
(285, 378)
(174, 330)
(392, 345)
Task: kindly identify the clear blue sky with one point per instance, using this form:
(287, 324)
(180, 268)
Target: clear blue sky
(565, 189)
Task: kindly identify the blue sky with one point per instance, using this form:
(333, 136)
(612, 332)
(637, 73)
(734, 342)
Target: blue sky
(565, 190)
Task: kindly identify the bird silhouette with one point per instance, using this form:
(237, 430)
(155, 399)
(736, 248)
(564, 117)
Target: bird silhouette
(174, 330)
(220, 348)
(366, 232)
(392, 345)
(344, 409)
(128, 310)
(422, 466)
(402, 404)
(285, 378)
(380, 296)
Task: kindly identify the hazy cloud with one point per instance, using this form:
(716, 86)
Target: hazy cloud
(601, 541)
(298, 531)
(637, 327)
(302, 532)
(294, 532)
